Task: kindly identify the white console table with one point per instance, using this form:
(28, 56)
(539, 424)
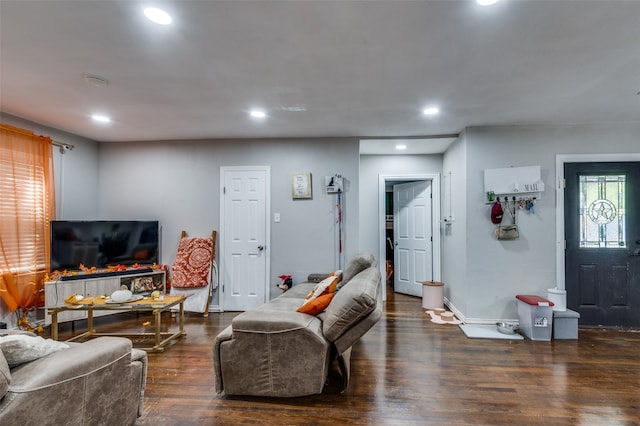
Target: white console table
(55, 292)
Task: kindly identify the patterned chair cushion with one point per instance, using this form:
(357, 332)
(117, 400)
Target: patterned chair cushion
(192, 266)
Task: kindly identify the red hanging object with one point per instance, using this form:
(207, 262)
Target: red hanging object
(496, 213)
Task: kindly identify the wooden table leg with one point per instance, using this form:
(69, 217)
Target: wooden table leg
(156, 314)
(181, 320)
(90, 328)
(54, 325)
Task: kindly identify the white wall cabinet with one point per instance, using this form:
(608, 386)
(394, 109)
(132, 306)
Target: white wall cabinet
(55, 292)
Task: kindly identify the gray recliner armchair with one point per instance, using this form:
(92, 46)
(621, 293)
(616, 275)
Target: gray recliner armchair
(99, 382)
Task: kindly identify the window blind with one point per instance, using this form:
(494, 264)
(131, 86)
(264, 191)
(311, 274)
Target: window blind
(22, 188)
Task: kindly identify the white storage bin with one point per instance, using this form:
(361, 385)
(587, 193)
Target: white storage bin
(536, 316)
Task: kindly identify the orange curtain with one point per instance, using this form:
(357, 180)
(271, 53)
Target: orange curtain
(27, 204)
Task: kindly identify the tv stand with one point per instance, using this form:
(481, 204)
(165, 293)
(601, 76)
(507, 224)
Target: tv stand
(83, 276)
(99, 284)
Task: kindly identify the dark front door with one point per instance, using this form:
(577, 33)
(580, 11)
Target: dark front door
(602, 232)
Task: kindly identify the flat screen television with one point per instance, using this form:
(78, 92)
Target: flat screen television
(103, 243)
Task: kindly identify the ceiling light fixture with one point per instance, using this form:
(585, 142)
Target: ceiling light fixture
(257, 114)
(401, 147)
(486, 2)
(158, 16)
(430, 111)
(101, 118)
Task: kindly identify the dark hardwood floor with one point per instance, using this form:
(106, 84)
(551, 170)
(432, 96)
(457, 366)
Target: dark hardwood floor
(408, 371)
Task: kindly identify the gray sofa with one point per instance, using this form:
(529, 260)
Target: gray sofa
(99, 382)
(276, 351)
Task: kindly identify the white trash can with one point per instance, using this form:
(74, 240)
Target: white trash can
(559, 299)
(432, 294)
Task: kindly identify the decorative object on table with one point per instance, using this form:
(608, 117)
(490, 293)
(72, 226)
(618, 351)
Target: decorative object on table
(121, 296)
(133, 298)
(144, 284)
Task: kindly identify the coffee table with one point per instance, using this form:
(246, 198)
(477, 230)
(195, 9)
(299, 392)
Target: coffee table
(147, 304)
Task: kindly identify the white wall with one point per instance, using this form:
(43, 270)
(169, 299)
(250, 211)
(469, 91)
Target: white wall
(454, 247)
(498, 270)
(178, 184)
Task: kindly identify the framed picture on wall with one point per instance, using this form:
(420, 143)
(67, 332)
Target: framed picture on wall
(301, 185)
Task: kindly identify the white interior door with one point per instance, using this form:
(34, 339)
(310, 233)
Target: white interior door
(413, 253)
(244, 254)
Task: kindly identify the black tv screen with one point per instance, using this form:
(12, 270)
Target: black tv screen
(103, 243)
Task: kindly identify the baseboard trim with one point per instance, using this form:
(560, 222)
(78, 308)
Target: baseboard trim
(467, 320)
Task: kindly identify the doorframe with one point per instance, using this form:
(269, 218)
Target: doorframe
(561, 159)
(267, 208)
(435, 219)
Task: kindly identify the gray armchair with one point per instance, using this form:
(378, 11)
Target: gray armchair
(99, 382)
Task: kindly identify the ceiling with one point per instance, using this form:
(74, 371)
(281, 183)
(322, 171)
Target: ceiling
(320, 68)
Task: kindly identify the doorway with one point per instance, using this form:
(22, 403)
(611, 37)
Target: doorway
(602, 233)
(433, 180)
(244, 237)
(563, 269)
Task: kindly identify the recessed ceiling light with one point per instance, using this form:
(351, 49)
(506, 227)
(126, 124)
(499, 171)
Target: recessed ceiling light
(256, 113)
(486, 2)
(430, 111)
(401, 147)
(158, 16)
(101, 118)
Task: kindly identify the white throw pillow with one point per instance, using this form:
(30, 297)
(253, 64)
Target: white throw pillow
(19, 349)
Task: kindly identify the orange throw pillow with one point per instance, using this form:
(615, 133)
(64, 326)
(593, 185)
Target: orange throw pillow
(317, 305)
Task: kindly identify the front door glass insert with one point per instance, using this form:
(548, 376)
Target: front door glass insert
(602, 211)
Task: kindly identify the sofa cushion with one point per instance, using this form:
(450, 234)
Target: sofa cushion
(316, 305)
(20, 349)
(351, 303)
(356, 265)
(270, 321)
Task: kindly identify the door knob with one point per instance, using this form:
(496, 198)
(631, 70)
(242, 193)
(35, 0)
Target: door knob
(395, 243)
(260, 248)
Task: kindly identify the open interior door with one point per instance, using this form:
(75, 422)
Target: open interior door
(413, 253)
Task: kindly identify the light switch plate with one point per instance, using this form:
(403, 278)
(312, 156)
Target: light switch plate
(276, 217)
